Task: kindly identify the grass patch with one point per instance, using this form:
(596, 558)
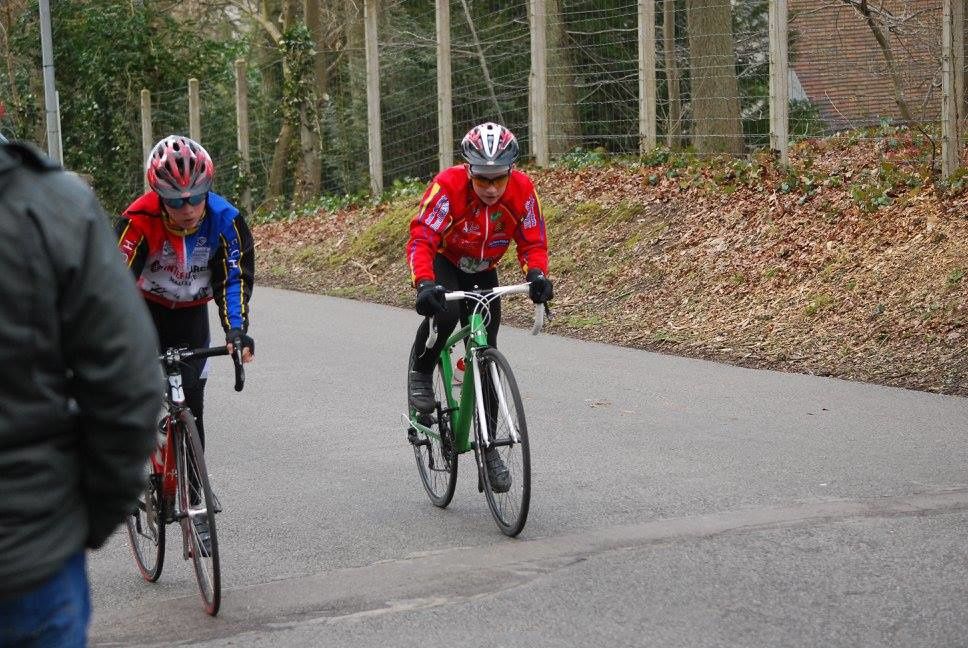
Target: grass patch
(581, 321)
(387, 234)
(664, 335)
(361, 291)
(955, 277)
(818, 303)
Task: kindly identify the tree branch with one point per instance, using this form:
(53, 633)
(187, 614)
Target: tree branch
(865, 11)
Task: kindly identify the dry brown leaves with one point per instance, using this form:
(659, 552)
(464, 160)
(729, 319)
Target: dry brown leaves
(757, 277)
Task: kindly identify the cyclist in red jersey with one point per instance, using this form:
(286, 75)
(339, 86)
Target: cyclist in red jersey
(466, 221)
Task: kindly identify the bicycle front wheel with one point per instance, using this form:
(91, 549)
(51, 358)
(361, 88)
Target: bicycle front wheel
(146, 528)
(435, 455)
(508, 436)
(198, 505)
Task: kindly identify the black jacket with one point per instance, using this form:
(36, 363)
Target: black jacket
(80, 383)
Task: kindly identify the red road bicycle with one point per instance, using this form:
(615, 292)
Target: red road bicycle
(178, 488)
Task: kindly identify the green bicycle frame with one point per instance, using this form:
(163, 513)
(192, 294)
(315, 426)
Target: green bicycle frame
(462, 410)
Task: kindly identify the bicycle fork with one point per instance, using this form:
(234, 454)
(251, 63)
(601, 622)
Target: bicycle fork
(502, 403)
(484, 437)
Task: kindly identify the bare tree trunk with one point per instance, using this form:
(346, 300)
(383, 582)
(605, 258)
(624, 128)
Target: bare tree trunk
(280, 156)
(280, 160)
(563, 121)
(674, 124)
(267, 50)
(714, 88)
(310, 176)
(11, 67)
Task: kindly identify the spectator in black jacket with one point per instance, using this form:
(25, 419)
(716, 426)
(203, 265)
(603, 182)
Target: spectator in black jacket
(80, 388)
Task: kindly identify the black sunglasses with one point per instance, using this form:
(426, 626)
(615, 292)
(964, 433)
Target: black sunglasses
(176, 203)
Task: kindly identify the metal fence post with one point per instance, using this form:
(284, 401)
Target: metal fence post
(950, 143)
(373, 97)
(445, 117)
(647, 98)
(146, 139)
(538, 83)
(242, 122)
(779, 80)
(194, 112)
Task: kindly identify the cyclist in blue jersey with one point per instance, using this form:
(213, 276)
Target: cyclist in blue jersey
(186, 246)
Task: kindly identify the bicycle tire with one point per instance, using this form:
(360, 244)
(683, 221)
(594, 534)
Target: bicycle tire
(146, 529)
(435, 456)
(191, 461)
(509, 509)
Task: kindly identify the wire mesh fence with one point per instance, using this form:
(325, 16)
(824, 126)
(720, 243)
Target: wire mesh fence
(851, 65)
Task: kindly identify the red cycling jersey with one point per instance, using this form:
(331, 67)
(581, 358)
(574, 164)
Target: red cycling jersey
(455, 222)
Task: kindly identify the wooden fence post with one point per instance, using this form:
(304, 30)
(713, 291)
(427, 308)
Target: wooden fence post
(779, 80)
(647, 94)
(538, 83)
(445, 116)
(373, 97)
(950, 142)
(194, 112)
(242, 121)
(146, 139)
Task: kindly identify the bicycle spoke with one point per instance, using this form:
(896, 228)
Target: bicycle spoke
(436, 461)
(198, 522)
(507, 431)
(146, 529)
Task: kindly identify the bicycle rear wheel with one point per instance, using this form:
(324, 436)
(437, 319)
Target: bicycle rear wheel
(198, 505)
(436, 459)
(146, 529)
(505, 415)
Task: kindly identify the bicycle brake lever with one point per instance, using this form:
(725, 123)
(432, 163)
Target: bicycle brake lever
(237, 361)
(431, 332)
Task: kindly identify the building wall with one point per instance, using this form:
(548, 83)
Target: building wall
(842, 69)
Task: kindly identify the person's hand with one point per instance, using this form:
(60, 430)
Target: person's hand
(430, 299)
(246, 342)
(541, 289)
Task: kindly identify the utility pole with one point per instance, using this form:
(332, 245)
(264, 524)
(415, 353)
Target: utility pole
(50, 92)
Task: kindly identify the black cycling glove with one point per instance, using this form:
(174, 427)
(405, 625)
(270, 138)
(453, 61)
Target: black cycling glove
(240, 340)
(541, 289)
(430, 299)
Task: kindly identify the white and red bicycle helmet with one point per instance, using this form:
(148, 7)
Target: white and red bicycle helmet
(179, 167)
(490, 149)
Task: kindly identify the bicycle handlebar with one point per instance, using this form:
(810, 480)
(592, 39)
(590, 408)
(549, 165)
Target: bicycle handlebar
(541, 311)
(174, 356)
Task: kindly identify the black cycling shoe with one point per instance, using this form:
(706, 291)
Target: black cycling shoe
(497, 472)
(204, 536)
(420, 391)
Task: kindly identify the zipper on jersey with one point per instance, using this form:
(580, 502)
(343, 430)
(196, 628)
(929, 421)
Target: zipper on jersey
(487, 219)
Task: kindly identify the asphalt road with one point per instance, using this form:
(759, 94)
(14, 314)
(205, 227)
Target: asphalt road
(675, 502)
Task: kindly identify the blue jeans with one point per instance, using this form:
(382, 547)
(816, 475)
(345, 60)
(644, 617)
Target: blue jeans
(55, 614)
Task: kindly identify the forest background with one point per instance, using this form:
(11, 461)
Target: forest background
(848, 261)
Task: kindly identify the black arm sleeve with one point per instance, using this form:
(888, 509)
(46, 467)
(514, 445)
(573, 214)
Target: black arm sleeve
(233, 275)
(137, 263)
